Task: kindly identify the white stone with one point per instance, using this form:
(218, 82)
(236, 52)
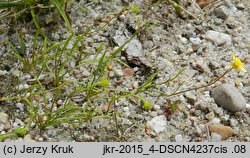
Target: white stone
(198, 130)
(153, 113)
(248, 108)
(233, 122)
(156, 107)
(28, 138)
(210, 115)
(1, 127)
(2, 73)
(178, 138)
(20, 106)
(215, 121)
(118, 72)
(218, 37)
(17, 73)
(158, 123)
(126, 111)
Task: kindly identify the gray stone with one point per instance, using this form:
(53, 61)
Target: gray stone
(218, 37)
(3, 117)
(158, 123)
(190, 72)
(190, 34)
(196, 42)
(190, 96)
(133, 50)
(228, 97)
(222, 12)
(233, 122)
(197, 112)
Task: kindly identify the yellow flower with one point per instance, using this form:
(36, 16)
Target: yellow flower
(237, 64)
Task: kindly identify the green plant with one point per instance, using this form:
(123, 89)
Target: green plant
(21, 131)
(52, 60)
(135, 8)
(19, 7)
(176, 5)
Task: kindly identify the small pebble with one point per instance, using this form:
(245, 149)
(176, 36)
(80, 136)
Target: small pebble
(135, 84)
(225, 118)
(3, 117)
(218, 37)
(7, 126)
(2, 73)
(224, 131)
(158, 123)
(28, 138)
(156, 107)
(127, 72)
(1, 127)
(20, 106)
(191, 98)
(222, 12)
(198, 130)
(178, 138)
(190, 34)
(40, 139)
(118, 72)
(248, 108)
(241, 6)
(85, 73)
(196, 42)
(233, 122)
(215, 121)
(215, 137)
(153, 114)
(218, 21)
(197, 112)
(17, 73)
(148, 44)
(210, 115)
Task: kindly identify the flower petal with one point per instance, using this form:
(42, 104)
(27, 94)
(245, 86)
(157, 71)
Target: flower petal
(233, 55)
(243, 69)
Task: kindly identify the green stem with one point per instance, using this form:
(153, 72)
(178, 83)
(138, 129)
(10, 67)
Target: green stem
(203, 86)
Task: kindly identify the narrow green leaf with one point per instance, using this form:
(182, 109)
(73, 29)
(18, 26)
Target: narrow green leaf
(59, 7)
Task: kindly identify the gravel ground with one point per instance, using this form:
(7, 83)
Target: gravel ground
(203, 44)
